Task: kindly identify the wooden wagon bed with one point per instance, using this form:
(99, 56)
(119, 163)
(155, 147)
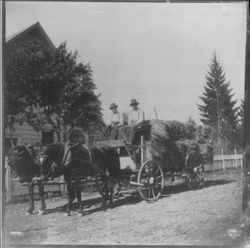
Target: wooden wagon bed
(156, 156)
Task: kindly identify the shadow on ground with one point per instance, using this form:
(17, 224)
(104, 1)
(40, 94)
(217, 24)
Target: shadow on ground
(94, 205)
(179, 188)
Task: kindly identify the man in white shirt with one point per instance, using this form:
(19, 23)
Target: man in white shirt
(136, 115)
(135, 120)
(116, 117)
(116, 120)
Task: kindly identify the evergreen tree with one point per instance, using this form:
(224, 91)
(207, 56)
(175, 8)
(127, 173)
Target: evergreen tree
(239, 131)
(218, 109)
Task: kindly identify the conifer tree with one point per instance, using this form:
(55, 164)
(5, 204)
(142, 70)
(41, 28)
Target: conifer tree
(218, 109)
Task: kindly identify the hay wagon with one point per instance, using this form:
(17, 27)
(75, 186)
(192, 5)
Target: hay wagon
(153, 164)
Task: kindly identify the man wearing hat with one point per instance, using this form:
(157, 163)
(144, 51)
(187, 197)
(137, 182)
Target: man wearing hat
(116, 117)
(136, 115)
(116, 120)
(135, 120)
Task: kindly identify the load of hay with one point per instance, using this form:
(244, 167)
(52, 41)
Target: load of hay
(170, 142)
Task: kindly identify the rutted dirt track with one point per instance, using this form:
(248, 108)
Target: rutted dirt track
(180, 217)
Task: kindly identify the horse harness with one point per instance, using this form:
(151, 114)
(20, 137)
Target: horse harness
(91, 161)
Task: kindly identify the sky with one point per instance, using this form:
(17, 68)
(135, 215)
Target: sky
(157, 53)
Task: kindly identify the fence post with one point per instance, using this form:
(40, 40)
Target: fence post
(235, 155)
(222, 157)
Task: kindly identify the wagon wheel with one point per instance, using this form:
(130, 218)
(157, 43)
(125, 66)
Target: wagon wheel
(194, 179)
(151, 179)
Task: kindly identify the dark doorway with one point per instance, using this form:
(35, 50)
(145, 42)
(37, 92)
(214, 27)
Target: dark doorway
(47, 137)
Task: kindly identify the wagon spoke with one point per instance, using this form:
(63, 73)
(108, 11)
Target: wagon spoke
(198, 179)
(156, 178)
(153, 192)
(156, 171)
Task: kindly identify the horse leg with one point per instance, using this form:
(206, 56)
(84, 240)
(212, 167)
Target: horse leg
(79, 197)
(41, 195)
(69, 195)
(111, 193)
(104, 197)
(31, 198)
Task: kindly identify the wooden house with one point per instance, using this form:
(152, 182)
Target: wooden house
(23, 133)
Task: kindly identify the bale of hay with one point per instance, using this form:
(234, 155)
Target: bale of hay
(162, 148)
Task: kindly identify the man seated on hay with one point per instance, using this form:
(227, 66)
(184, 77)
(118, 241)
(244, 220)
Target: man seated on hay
(135, 126)
(135, 120)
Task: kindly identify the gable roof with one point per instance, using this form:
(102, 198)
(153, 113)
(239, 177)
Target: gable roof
(11, 39)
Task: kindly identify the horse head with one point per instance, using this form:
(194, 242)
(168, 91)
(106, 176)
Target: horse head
(22, 160)
(49, 160)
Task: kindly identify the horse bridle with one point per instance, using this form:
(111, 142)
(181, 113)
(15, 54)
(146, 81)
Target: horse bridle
(43, 157)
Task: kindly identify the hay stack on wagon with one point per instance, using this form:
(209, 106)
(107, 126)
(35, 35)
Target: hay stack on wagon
(170, 142)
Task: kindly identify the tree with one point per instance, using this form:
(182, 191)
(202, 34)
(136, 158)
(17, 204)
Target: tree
(190, 128)
(218, 109)
(51, 88)
(240, 130)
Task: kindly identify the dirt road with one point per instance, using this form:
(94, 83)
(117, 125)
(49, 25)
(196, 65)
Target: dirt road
(180, 217)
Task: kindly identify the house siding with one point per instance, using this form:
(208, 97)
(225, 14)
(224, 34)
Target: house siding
(25, 134)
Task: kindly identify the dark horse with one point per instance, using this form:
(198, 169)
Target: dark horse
(100, 161)
(23, 161)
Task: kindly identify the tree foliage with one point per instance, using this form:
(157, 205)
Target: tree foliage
(50, 88)
(218, 108)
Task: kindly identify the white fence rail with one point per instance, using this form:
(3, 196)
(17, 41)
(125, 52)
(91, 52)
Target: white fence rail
(223, 162)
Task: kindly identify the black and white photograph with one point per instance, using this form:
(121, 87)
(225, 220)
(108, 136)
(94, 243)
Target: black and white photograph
(126, 123)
